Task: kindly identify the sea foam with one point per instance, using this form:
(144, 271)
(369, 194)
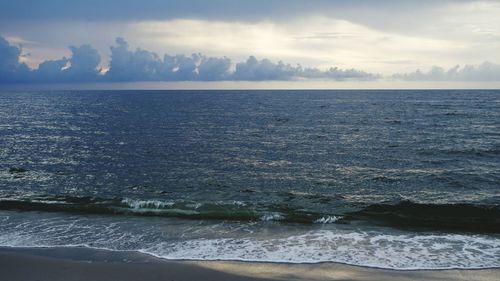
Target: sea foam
(262, 242)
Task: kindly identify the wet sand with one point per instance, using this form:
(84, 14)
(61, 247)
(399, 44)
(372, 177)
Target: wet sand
(71, 264)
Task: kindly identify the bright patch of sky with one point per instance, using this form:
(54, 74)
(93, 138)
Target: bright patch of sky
(388, 38)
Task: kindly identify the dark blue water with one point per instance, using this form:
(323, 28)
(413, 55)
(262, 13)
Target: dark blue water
(399, 179)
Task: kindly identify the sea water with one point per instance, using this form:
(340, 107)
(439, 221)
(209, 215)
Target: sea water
(390, 179)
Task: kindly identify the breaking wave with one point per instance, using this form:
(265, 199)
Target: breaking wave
(402, 214)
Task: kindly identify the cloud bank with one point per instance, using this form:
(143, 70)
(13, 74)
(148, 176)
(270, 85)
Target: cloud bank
(128, 65)
(484, 72)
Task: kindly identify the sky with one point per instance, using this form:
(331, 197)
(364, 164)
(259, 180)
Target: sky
(263, 44)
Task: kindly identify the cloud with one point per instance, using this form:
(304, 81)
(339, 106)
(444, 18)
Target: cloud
(195, 67)
(83, 64)
(336, 73)
(49, 71)
(138, 10)
(180, 67)
(258, 70)
(138, 65)
(362, 33)
(80, 67)
(213, 69)
(141, 65)
(255, 70)
(484, 72)
(11, 70)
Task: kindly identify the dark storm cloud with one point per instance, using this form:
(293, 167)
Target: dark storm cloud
(140, 65)
(484, 72)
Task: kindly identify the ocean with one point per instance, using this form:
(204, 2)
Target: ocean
(390, 179)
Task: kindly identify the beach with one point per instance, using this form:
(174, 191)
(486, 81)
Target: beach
(287, 185)
(188, 140)
(70, 264)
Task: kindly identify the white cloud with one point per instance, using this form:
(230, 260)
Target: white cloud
(386, 37)
(312, 41)
(483, 72)
(141, 65)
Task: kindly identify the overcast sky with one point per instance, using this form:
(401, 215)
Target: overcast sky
(390, 41)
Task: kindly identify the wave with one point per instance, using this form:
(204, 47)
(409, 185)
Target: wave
(328, 219)
(465, 151)
(407, 214)
(126, 206)
(478, 218)
(387, 251)
(231, 211)
(258, 243)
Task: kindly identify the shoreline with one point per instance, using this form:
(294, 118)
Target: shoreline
(68, 264)
(65, 252)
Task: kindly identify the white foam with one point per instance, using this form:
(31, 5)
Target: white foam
(328, 219)
(176, 239)
(272, 217)
(139, 204)
(402, 252)
(239, 203)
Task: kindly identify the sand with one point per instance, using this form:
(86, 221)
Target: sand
(71, 264)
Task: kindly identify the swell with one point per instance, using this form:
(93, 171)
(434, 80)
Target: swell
(465, 152)
(407, 214)
(477, 218)
(231, 211)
